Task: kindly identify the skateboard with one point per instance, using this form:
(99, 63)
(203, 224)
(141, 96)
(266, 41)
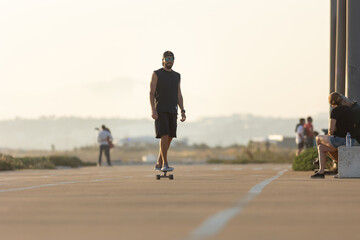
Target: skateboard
(170, 176)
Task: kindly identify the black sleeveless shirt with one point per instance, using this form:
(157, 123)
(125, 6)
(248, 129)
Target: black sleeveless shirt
(344, 121)
(166, 94)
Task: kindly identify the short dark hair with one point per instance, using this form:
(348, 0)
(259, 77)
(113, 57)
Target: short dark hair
(309, 119)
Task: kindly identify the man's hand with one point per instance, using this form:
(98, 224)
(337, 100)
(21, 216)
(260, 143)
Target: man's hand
(155, 115)
(183, 117)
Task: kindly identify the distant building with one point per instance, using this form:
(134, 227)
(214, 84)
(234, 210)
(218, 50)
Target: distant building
(150, 158)
(137, 141)
(279, 140)
(287, 142)
(146, 141)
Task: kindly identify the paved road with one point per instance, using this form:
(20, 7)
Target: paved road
(202, 202)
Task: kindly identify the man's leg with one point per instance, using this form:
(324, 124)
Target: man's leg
(311, 142)
(160, 161)
(323, 139)
(107, 154)
(322, 157)
(333, 155)
(300, 148)
(165, 142)
(323, 150)
(100, 155)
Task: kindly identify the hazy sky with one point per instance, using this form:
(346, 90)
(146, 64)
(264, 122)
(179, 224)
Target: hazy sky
(95, 58)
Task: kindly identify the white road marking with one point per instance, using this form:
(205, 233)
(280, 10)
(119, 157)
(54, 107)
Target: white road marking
(216, 169)
(50, 185)
(217, 222)
(237, 169)
(6, 179)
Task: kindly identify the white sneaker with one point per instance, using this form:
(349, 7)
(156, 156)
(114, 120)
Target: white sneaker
(167, 168)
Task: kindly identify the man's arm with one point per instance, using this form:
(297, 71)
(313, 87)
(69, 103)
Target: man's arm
(181, 104)
(153, 83)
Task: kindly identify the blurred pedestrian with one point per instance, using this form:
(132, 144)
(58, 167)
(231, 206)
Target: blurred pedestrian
(299, 137)
(105, 140)
(309, 133)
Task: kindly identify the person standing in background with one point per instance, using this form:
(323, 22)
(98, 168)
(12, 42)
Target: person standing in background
(309, 133)
(103, 140)
(300, 136)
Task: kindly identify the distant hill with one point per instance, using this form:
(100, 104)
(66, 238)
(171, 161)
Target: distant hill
(69, 132)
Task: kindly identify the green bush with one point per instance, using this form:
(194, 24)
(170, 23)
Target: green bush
(304, 161)
(6, 163)
(33, 163)
(70, 161)
(65, 161)
(10, 163)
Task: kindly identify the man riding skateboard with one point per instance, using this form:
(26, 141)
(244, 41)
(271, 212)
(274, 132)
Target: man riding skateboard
(165, 97)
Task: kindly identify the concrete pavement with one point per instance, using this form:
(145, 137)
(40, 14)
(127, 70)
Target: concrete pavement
(127, 202)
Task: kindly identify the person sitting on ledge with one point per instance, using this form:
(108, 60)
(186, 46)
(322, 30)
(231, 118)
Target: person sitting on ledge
(341, 122)
(355, 108)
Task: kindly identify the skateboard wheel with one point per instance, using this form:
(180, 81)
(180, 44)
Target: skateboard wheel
(171, 176)
(157, 177)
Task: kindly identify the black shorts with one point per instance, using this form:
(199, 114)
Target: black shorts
(301, 145)
(166, 124)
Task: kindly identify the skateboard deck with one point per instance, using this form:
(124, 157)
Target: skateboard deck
(170, 176)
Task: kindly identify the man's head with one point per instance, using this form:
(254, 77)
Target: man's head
(309, 119)
(302, 121)
(335, 99)
(103, 127)
(168, 59)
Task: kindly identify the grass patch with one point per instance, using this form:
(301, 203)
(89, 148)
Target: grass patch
(8, 162)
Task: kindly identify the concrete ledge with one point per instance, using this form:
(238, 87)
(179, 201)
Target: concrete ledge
(349, 162)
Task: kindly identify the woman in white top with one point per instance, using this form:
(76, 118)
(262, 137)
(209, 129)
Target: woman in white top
(103, 139)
